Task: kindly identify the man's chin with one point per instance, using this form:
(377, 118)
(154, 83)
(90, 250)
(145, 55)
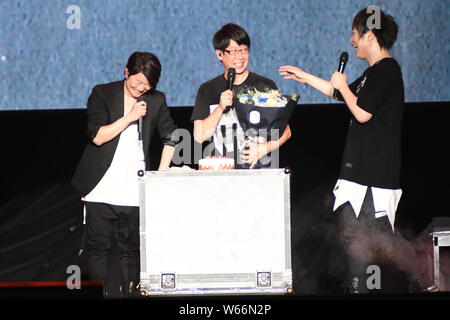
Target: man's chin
(241, 71)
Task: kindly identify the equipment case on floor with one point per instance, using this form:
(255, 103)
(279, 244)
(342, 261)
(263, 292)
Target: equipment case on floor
(215, 232)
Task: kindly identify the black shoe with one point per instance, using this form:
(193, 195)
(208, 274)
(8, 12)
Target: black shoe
(352, 286)
(354, 289)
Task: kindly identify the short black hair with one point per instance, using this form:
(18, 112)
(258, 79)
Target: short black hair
(229, 32)
(148, 64)
(387, 32)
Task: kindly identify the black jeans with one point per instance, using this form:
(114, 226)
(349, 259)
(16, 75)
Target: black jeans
(104, 221)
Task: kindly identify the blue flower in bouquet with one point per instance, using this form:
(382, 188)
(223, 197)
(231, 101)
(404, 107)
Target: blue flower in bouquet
(261, 99)
(245, 98)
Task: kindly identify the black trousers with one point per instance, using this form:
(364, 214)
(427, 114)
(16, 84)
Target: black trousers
(366, 240)
(103, 222)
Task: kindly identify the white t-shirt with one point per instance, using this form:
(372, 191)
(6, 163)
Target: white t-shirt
(120, 184)
(227, 121)
(385, 200)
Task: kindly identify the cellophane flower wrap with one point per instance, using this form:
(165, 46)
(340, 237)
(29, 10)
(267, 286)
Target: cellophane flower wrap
(261, 109)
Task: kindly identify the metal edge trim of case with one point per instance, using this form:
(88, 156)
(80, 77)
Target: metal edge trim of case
(142, 237)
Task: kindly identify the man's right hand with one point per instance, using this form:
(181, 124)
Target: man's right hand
(293, 73)
(139, 110)
(226, 99)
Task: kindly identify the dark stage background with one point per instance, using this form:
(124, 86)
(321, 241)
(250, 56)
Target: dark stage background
(41, 216)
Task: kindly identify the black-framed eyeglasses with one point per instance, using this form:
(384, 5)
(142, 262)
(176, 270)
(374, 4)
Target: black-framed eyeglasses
(235, 52)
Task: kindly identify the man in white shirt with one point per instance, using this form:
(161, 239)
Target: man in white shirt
(106, 175)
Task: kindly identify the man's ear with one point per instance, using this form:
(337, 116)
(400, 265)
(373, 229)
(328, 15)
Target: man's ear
(126, 72)
(219, 54)
(370, 36)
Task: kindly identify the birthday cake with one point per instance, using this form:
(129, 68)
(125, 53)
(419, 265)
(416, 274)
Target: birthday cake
(216, 163)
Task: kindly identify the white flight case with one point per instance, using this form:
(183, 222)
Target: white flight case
(215, 232)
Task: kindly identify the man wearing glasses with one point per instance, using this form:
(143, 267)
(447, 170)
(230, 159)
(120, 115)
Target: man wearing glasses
(211, 116)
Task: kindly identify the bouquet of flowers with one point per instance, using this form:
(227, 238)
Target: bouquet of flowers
(260, 110)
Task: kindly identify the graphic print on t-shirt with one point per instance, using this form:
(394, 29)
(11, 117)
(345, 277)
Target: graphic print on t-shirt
(227, 129)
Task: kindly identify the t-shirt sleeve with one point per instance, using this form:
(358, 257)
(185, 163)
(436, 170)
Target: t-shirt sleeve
(352, 87)
(273, 85)
(201, 107)
(374, 91)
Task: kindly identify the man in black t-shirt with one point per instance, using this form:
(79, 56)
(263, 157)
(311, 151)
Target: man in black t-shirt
(376, 101)
(372, 154)
(232, 45)
(368, 190)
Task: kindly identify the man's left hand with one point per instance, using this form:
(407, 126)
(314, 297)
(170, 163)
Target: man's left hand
(254, 152)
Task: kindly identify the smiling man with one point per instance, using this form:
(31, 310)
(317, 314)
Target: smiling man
(368, 189)
(232, 48)
(106, 175)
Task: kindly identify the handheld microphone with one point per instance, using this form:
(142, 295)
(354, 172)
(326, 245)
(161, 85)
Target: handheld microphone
(141, 98)
(230, 80)
(342, 62)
